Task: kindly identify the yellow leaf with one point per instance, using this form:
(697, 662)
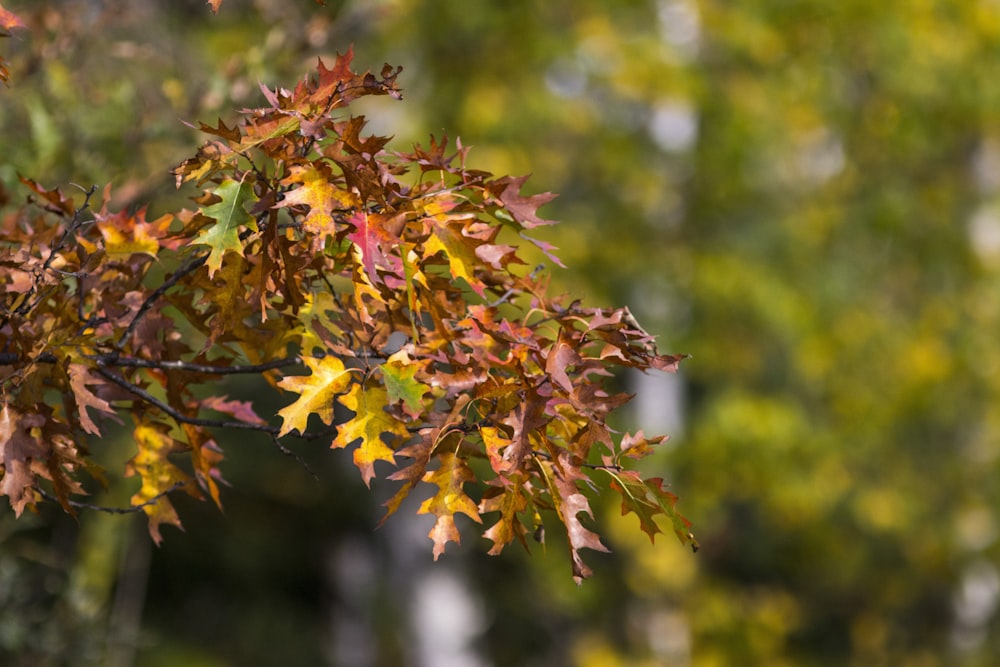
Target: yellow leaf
(369, 424)
(316, 393)
(323, 196)
(158, 474)
(450, 498)
(459, 250)
(125, 235)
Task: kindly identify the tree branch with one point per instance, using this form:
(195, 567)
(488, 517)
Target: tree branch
(133, 362)
(190, 266)
(111, 510)
(173, 412)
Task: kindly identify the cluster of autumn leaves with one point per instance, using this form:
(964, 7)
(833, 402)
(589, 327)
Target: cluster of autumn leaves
(382, 291)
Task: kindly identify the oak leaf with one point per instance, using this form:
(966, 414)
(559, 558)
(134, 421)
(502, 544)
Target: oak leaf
(126, 234)
(569, 504)
(373, 236)
(509, 499)
(460, 252)
(647, 499)
(240, 410)
(230, 214)
(317, 391)
(399, 373)
(420, 453)
(523, 209)
(370, 423)
(318, 191)
(19, 447)
(158, 475)
(79, 376)
(450, 498)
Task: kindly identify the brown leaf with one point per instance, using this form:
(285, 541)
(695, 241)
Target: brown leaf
(524, 209)
(569, 504)
(509, 500)
(79, 378)
(560, 358)
(18, 448)
(420, 453)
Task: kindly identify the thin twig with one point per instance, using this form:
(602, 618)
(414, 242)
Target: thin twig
(74, 225)
(112, 510)
(298, 459)
(191, 265)
(513, 290)
(196, 421)
(133, 362)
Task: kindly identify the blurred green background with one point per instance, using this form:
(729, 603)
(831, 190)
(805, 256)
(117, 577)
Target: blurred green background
(803, 194)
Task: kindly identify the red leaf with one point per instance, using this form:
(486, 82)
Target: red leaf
(373, 234)
(9, 20)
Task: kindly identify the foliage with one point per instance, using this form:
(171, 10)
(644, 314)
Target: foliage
(395, 278)
(804, 196)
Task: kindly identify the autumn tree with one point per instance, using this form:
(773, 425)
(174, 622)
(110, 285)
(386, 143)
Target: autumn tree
(386, 292)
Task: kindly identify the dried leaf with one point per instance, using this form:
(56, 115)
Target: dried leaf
(79, 379)
(19, 446)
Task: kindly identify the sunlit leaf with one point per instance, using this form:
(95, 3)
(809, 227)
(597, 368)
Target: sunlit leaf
(230, 214)
(317, 391)
(370, 424)
(450, 498)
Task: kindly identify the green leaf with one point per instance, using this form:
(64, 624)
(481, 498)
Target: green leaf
(399, 373)
(647, 498)
(230, 214)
